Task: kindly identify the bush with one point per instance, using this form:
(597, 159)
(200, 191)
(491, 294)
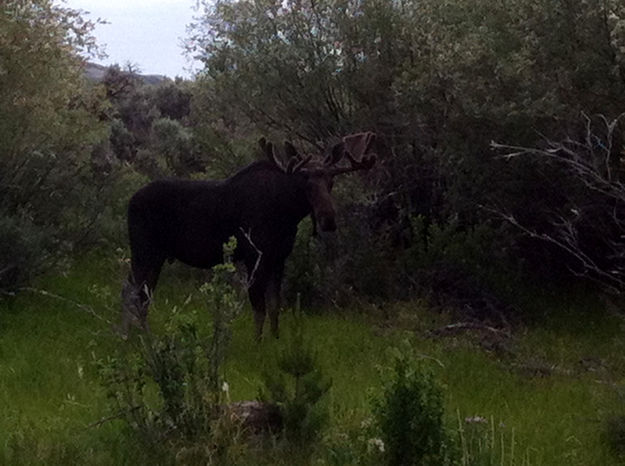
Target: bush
(409, 415)
(586, 226)
(21, 244)
(356, 262)
(173, 142)
(48, 122)
(479, 250)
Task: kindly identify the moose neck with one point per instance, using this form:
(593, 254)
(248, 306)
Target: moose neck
(269, 189)
(290, 196)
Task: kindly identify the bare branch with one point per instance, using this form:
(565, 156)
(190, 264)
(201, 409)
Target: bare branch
(83, 307)
(595, 206)
(248, 236)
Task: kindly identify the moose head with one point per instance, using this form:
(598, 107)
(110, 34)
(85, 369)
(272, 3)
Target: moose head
(319, 173)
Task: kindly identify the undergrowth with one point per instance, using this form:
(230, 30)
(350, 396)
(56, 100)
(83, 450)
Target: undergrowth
(169, 387)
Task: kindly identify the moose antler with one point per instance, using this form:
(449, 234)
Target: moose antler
(353, 147)
(296, 162)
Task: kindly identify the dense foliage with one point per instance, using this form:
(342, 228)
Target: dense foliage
(48, 124)
(437, 81)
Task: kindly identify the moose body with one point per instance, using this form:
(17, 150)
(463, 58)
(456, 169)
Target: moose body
(261, 206)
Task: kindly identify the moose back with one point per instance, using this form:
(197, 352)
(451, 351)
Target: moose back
(261, 206)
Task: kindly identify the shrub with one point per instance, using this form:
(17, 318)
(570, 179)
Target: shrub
(48, 122)
(21, 243)
(356, 262)
(172, 141)
(409, 415)
(586, 226)
(469, 269)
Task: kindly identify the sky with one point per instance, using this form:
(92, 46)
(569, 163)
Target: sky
(146, 33)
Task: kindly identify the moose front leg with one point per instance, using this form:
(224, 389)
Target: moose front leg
(257, 299)
(274, 295)
(274, 307)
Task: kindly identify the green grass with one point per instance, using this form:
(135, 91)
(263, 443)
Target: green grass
(51, 398)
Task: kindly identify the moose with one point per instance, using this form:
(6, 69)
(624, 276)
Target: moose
(261, 206)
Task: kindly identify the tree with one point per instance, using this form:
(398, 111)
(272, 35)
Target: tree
(48, 123)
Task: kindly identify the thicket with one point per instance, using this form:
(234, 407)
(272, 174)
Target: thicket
(149, 125)
(72, 151)
(438, 82)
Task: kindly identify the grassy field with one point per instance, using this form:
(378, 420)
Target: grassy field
(546, 391)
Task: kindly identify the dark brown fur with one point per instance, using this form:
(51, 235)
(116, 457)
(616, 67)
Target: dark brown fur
(189, 221)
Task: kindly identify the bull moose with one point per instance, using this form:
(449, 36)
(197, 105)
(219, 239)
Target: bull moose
(261, 206)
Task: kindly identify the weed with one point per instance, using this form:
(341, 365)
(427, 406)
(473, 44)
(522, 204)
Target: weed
(484, 443)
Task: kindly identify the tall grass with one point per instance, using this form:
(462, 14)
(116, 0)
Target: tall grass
(55, 411)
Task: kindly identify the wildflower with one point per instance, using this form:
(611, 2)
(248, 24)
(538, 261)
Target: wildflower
(225, 387)
(375, 443)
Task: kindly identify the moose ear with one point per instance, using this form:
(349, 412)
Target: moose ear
(359, 144)
(290, 150)
(268, 149)
(273, 154)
